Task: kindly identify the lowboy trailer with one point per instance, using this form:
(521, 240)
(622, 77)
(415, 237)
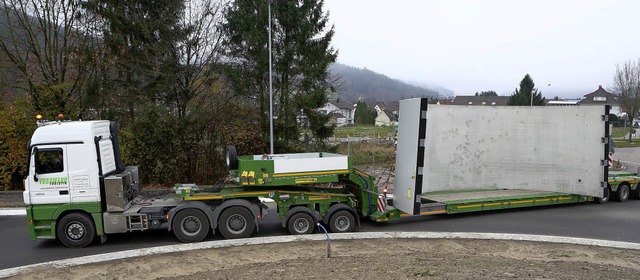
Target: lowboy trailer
(450, 159)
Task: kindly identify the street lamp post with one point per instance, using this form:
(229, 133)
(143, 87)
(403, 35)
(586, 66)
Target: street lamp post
(532, 92)
(270, 88)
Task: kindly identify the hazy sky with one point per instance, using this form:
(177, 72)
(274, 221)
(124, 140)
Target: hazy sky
(469, 46)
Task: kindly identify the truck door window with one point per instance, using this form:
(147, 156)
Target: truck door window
(49, 161)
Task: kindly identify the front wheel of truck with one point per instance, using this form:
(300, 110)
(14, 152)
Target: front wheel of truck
(76, 230)
(190, 225)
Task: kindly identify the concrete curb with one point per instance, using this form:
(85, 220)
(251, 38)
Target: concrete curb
(313, 237)
(13, 212)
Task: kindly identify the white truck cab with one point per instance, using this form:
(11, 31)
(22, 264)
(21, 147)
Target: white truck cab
(75, 170)
(55, 179)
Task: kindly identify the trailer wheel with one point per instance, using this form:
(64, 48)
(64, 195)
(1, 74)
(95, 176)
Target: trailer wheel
(232, 158)
(190, 225)
(236, 222)
(342, 221)
(635, 194)
(76, 230)
(622, 194)
(301, 223)
(605, 197)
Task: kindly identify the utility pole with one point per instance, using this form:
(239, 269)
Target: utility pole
(270, 88)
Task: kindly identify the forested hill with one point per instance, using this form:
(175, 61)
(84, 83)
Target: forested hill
(354, 83)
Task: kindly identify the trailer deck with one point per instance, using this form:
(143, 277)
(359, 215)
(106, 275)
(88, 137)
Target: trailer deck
(479, 200)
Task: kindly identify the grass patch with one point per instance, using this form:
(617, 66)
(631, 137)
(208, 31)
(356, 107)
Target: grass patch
(370, 154)
(626, 143)
(364, 131)
(619, 132)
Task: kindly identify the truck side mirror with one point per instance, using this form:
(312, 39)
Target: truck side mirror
(35, 164)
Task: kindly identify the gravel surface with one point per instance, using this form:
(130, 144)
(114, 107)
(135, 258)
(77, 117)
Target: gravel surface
(11, 199)
(370, 259)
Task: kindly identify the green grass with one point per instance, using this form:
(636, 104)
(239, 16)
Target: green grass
(369, 154)
(625, 143)
(619, 132)
(364, 131)
(619, 142)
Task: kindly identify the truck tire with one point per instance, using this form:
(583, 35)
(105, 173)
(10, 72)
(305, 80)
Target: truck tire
(342, 221)
(301, 223)
(605, 198)
(622, 194)
(190, 225)
(76, 230)
(232, 158)
(236, 222)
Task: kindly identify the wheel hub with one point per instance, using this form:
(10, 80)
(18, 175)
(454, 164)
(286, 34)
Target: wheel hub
(75, 231)
(191, 225)
(237, 223)
(342, 223)
(301, 225)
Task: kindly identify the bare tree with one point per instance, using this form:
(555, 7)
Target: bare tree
(627, 85)
(199, 53)
(44, 42)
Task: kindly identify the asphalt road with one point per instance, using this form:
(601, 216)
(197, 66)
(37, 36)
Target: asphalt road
(613, 221)
(629, 156)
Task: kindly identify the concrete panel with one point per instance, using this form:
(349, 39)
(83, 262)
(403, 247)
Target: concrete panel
(404, 195)
(556, 149)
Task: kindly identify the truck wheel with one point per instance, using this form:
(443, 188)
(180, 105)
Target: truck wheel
(232, 158)
(190, 225)
(236, 222)
(342, 221)
(76, 230)
(605, 197)
(301, 223)
(622, 194)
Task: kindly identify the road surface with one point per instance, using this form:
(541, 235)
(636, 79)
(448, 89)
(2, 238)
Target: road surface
(613, 221)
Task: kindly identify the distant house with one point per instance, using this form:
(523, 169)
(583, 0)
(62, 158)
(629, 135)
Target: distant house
(392, 107)
(472, 100)
(443, 101)
(562, 102)
(602, 97)
(386, 118)
(338, 119)
(340, 111)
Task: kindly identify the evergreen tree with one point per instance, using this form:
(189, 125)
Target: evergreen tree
(302, 53)
(522, 96)
(364, 114)
(140, 39)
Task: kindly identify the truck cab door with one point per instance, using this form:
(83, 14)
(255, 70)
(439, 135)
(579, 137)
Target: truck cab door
(48, 180)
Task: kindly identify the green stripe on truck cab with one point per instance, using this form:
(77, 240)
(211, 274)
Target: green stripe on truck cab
(42, 218)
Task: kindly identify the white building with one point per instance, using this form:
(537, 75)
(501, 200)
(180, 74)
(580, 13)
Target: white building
(341, 112)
